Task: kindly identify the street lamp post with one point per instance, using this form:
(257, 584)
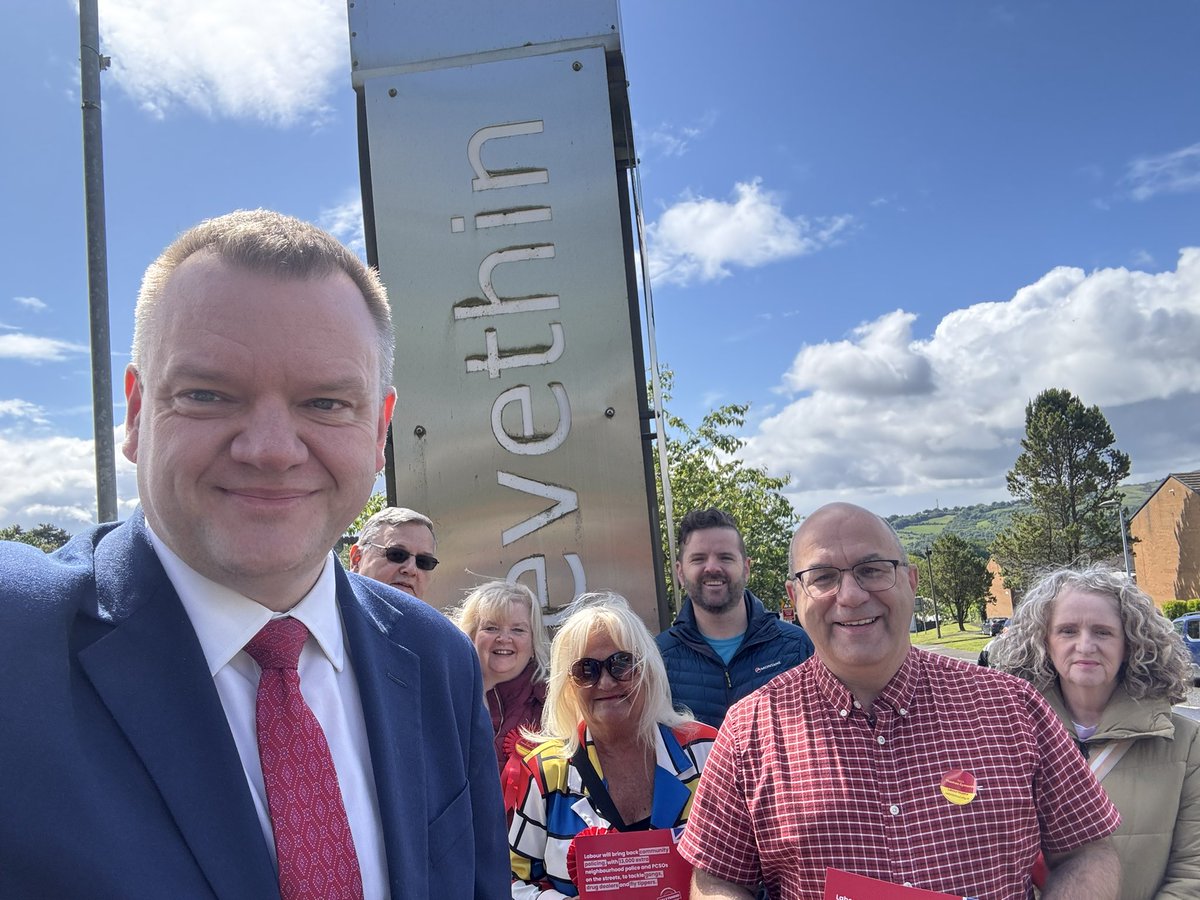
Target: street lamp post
(1124, 537)
(937, 620)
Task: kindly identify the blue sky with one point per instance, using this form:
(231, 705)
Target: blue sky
(887, 226)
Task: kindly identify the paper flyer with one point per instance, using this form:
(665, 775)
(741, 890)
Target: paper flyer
(841, 885)
(631, 865)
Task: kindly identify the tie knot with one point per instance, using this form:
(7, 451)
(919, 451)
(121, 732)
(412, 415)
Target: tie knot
(279, 643)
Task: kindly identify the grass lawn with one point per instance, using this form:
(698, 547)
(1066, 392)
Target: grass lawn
(971, 639)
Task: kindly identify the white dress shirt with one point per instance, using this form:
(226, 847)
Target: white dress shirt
(225, 621)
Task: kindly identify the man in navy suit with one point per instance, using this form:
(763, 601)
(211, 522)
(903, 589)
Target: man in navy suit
(259, 397)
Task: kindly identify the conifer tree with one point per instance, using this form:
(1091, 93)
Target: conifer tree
(1068, 468)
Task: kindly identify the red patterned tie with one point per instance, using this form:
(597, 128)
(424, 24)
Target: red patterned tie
(312, 836)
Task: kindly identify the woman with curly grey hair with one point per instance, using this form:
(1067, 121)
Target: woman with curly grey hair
(1111, 666)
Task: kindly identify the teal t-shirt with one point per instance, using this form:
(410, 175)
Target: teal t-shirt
(725, 647)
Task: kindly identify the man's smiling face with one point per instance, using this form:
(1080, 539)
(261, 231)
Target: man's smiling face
(713, 569)
(861, 636)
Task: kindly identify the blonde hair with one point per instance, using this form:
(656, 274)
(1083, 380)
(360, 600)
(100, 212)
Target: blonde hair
(607, 614)
(263, 241)
(490, 601)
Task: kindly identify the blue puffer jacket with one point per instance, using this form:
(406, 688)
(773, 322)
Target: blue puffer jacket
(699, 678)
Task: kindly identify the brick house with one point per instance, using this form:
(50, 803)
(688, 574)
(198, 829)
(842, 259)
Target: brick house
(1000, 599)
(1166, 539)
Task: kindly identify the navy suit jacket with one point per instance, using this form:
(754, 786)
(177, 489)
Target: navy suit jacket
(119, 777)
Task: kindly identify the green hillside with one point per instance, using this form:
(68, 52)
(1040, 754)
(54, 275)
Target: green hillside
(981, 522)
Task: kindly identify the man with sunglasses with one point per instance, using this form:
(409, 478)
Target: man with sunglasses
(882, 760)
(396, 546)
(724, 643)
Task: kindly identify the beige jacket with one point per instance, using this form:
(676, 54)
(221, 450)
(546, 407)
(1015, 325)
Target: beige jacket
(1156, 787)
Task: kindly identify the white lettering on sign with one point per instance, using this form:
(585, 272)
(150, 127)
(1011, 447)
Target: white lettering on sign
(528, 443)
(496, 305)
(494, 361)
(565, 501)
(513, 217)
(537, 565)
(522, 438)
(489, 179)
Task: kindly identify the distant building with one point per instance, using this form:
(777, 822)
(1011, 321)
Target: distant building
(1000, 599)
(1166, 539)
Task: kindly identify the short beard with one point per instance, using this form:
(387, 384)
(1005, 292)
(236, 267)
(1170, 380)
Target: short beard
(736, 591)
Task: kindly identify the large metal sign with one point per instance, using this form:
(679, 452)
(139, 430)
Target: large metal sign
(497, 204)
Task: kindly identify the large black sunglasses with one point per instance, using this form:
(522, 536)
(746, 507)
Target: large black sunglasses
(399, 556)
(586, 672)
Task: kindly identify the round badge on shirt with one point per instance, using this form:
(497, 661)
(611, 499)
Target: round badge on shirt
(958, 786)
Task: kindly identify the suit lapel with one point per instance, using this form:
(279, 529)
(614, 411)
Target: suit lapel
(389, 684)
(151, 674)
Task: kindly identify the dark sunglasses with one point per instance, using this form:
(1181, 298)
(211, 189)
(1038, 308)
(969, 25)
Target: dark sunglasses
(399, 556)
(586, 672)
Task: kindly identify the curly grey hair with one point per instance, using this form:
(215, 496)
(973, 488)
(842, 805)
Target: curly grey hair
(1156, 664)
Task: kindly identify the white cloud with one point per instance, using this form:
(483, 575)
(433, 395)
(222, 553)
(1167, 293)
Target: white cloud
(345, 222)
(672, 140)
(23, 410)
(702, 239)
(274, 61)
(53, 479)
(37, 349)
(31, 303)
(1143, 259)
(898, 422)
(1170, 173)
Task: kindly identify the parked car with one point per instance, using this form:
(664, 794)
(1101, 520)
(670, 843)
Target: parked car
(1189, 630)
(986, 652)
(995, 625)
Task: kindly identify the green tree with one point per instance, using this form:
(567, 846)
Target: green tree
(960, 576)
(1068, 468)
(375, 503)
(46, 537)
(705, 471)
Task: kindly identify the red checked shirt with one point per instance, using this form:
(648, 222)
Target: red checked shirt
(801, 778)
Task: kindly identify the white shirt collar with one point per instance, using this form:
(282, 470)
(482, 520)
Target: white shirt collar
(225, 620)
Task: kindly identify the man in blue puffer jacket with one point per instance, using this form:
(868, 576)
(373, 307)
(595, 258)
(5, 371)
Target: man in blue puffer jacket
(724, 643)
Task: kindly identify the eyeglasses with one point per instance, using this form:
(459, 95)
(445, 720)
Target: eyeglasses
(586, 672)
(820, 582)
(399, 556)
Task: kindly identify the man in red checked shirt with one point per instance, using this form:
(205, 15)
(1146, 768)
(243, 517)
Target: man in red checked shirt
(883, 760)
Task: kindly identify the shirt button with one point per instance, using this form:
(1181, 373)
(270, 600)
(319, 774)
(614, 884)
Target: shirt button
(894, 810)
(857, 705)
(843, 713)
(881, 739)
(904, 712)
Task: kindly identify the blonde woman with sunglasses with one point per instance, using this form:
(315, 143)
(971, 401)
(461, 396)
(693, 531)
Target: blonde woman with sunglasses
(612, 752)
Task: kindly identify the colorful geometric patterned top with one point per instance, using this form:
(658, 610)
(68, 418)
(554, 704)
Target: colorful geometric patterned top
(553, 806)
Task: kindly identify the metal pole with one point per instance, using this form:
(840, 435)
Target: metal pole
(1120, 505)
(660, 420)
(1124, 540)
(90, 65)
(937, 620)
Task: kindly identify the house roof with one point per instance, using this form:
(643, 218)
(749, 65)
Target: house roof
(1190, 480)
